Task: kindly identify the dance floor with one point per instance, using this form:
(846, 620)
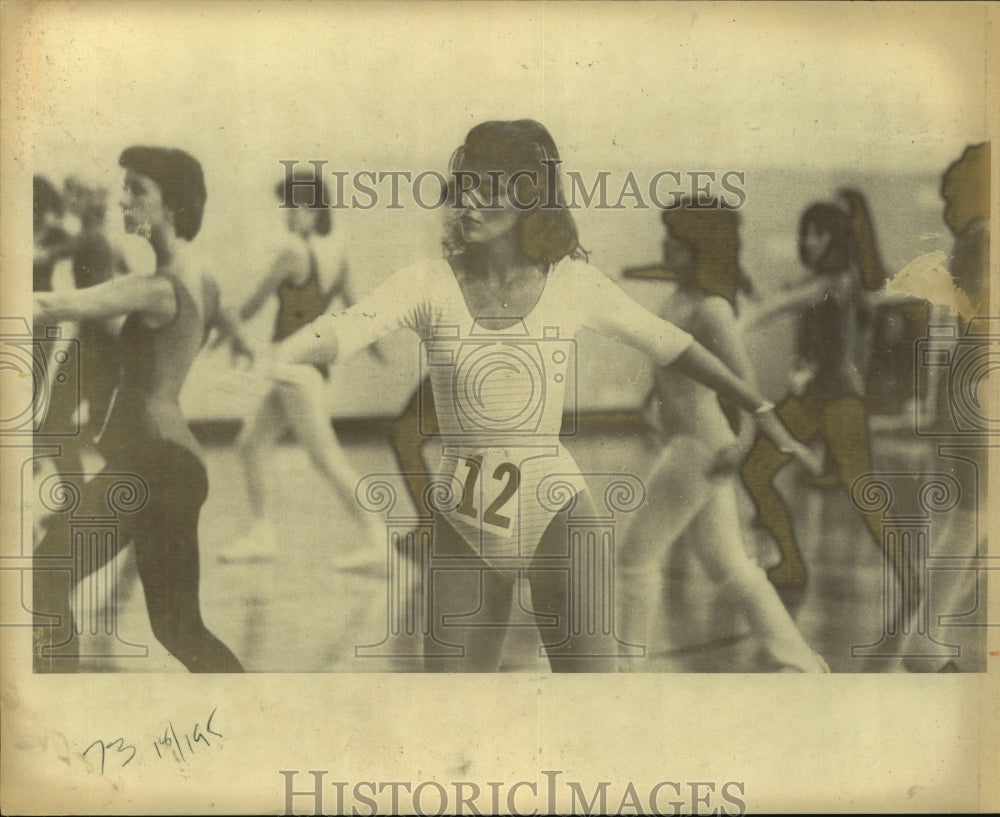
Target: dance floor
(307, 609)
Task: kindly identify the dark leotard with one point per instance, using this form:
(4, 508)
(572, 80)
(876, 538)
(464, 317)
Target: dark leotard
(146, 436)
(833, 334)
(299, 305)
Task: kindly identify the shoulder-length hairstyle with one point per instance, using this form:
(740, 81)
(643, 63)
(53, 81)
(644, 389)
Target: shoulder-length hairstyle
(852, 239)
(547, 231)
(181, 181)
(712, 235)
(285, 191)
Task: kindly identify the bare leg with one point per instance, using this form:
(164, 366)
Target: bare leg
(455, 592)
(261, 431)
(845, 428)
(551, 595)
(257, 439)
(305, 407)
(759, 470)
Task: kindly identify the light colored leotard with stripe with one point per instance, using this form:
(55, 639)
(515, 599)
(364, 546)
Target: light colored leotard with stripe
(500, 394)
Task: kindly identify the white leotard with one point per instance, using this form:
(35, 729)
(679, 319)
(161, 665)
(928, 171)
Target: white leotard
(500, 394)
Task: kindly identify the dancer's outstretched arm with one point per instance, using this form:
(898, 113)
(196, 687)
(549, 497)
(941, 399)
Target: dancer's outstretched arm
(699, 364)
(608, 310)
(398, 302)
(149, 294)
(229, 321)
(314, 343)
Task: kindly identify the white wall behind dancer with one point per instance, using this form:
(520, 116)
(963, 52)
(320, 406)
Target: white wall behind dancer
(653, 86)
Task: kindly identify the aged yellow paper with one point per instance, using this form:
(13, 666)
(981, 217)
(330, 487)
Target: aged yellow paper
(795, 129)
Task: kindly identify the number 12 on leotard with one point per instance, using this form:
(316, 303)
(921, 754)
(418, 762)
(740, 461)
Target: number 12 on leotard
(506, 472)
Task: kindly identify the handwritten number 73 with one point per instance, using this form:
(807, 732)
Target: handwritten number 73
(170, 740)
(120, 747)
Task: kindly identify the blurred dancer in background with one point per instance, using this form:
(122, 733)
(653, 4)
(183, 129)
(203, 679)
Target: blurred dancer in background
(168, 316)
(693, 486)
(826, 406)
(55, 408)
(95, 259)
(52, 242)
(965, 189)
(956, 599)
(306, 286)
(90, 258)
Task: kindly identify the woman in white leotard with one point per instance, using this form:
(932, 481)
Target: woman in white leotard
(496, 318)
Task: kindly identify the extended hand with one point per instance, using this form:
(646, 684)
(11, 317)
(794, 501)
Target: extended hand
(808, 459)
